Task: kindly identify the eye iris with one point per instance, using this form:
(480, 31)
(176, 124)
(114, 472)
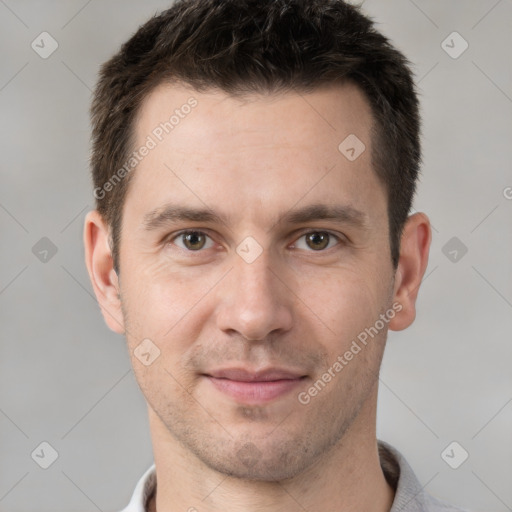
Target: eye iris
(318, 240)
(194, 240)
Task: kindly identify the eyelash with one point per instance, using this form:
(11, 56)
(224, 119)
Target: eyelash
(339, 239)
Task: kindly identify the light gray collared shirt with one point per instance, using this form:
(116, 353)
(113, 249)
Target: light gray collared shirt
(409, 494)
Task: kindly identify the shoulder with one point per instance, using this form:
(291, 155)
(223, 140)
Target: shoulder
(436, 505)
(410, 495)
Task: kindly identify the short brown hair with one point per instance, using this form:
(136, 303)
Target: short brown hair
(259, 46)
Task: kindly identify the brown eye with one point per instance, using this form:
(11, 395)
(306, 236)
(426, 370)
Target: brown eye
(192, 240)
(318, 240)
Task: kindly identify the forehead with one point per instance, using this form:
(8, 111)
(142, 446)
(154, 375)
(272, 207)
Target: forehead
(327, 112)
(271, 149)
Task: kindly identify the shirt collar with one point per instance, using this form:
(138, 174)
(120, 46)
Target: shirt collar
(144, 489)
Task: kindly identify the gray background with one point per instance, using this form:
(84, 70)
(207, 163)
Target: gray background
(66, 379)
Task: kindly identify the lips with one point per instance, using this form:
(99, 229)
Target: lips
(255, 386)
(239, 374)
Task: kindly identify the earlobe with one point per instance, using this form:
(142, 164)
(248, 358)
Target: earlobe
(98, 259)
(414, 251)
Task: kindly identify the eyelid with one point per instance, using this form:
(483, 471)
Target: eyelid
(340, 239)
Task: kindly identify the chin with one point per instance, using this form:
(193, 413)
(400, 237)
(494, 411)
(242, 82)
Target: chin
(264, 462)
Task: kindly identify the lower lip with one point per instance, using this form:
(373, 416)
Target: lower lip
(255, 392)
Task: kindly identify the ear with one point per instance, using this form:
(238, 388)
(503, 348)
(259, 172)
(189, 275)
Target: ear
(414, 250)
(105, 282)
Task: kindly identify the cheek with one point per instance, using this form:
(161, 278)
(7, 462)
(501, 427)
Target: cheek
(345, 301)
(349, 305)
(160, 303)
(167, 388)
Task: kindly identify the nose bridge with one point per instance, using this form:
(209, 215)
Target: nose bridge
(255, 304)
(256, 279)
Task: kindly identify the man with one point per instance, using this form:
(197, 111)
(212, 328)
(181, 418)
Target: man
(254, 164)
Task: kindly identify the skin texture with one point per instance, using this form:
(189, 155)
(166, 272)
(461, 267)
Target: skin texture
(294, 307)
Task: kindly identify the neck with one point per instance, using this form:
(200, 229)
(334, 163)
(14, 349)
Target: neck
(347, 477)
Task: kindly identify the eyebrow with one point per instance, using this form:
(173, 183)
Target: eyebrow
(344, 214)
(174, 213)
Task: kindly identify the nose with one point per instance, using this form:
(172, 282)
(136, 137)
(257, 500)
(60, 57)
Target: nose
(255, 302)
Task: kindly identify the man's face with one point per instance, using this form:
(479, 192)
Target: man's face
(258, 290)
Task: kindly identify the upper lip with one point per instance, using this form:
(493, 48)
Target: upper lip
(243, 375)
